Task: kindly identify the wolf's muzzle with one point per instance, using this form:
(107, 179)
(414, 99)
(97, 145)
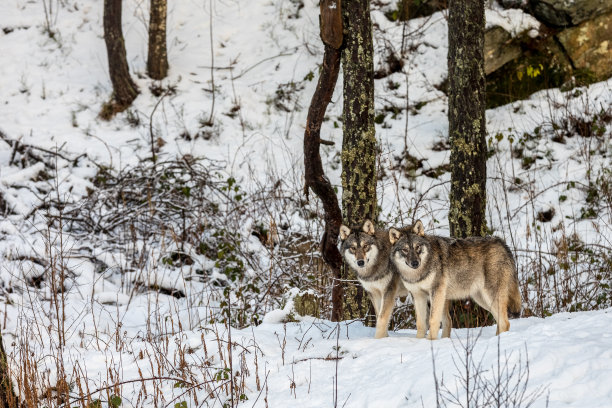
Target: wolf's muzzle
(360, 262)
(413, 264)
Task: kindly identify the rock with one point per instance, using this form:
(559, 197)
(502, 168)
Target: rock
(589, 46)
(407, 9)
(543, 64)
(565, 13)
(513, 3)
(499, 48)
(307, 304)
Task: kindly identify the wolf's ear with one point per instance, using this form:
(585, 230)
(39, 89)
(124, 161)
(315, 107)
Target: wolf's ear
(344, 232)
(368, 227)
(394, 235)
(418, 229)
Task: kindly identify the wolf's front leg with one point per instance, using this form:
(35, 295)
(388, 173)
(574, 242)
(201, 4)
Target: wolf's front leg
(420, 309)
(382, 321)
(438, 300)
(377, 300)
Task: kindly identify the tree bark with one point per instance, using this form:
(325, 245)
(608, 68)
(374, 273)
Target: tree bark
(315, 179)
(8, 399)
(359, 139)
(124, 89)
(157, 61)
(466, 117)
(467, 127)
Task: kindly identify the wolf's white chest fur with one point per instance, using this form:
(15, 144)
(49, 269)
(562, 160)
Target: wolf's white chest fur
(378, 285)
(424, 285)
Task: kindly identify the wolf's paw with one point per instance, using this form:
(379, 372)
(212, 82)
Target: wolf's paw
(380, 335)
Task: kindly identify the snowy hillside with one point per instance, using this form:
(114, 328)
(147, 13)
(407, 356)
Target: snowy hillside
(117, 273)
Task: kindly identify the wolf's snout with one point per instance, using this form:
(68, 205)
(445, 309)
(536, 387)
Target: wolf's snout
(414, 264)
(360, 262)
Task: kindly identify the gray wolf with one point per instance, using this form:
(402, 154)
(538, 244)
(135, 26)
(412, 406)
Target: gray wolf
(366, 251)
(440, 269)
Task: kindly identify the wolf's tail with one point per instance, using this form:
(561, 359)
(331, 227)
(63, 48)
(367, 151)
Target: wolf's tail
(514, 298)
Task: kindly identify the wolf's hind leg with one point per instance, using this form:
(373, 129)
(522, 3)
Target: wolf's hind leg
(446, 320)
(499, 309)
(498, 306)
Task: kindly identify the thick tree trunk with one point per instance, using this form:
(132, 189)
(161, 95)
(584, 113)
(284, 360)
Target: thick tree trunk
(8, 399)
(157, 61)
(124, 89)
(466, 117)
(359, 139)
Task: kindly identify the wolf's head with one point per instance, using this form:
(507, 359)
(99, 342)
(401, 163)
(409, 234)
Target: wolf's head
(410, 250)
(360, 247)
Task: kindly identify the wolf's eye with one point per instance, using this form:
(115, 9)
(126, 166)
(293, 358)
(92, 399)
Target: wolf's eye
(405, 251)
(417, 248)
(366, 247)
(352, 250)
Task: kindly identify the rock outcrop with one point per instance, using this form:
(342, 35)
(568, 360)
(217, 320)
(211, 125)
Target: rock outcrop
(589, 45)
(518, 66)
(566, 13)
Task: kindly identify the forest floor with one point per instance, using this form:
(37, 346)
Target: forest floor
(117, 271)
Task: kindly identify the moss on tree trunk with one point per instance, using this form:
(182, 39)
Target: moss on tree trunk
(466, 117)
(157, 61)
(124, 89)
(359, 139)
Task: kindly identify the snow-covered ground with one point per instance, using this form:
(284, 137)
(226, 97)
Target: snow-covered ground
(266, 57)
(567, 357)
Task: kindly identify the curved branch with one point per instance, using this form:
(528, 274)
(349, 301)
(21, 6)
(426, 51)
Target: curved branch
(315, 178)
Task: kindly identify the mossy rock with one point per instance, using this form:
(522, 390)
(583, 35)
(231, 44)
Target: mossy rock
(589, 46)
(307, 304)
(564, 13)
(499, 48)
(542, 65)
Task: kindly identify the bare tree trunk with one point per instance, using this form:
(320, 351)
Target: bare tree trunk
(467, 128)
(124, 89)
(359, 139)
(315, 179)
(157, 61)
(8, 399)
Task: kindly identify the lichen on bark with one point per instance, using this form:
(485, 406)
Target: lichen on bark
(157, 60)
(359, 138)
(467, 118)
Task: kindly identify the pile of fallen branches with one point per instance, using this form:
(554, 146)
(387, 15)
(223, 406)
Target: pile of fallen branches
(140, 202)
(188, 214)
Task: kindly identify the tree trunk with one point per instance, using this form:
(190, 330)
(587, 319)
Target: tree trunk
(124, 89)
(8, 399)
(359, 139)
(157, 62)
(466, 117)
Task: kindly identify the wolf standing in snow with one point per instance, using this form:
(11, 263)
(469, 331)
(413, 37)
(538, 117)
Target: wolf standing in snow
(366, 251)
(442, 269)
